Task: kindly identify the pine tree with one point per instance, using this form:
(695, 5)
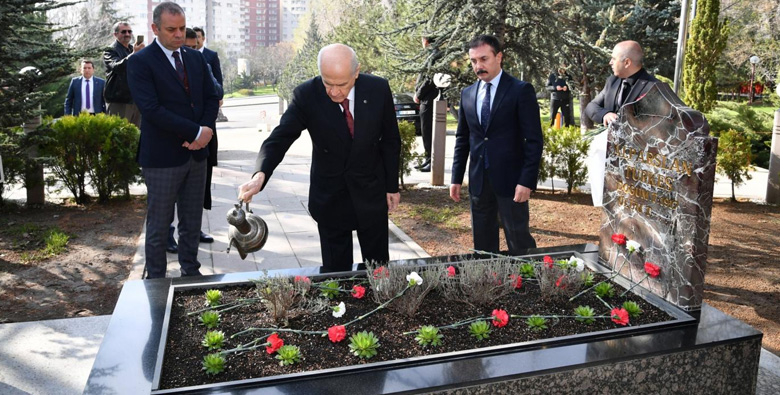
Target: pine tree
(304, 64)
(27, 42)
(706, 43)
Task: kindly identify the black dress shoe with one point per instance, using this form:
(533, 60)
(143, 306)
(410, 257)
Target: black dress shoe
(426, 162)
(204, 238)
(191, 273)
(173, 247)
(426, 168)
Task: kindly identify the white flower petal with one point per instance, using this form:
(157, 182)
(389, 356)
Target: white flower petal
(633, 246)
(578, 263)
(414, 279)
(339, 310)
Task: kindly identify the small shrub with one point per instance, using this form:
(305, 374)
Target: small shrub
(213, 363)
(213, 297)
(632, 308)
(56, 241)
(734, 158)
(604, 290)
(286, 298)
(585, 314)
(536, 323)
(571, 160)
(408, 144)
(209, 319)
(213, 340)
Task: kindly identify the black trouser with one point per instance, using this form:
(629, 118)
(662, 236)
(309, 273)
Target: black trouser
(336, 246)
(426, 125)
(485, 210)
(565, 106)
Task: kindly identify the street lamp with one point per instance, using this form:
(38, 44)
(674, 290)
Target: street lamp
(753, 62)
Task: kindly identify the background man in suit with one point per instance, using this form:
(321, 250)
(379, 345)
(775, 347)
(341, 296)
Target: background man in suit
(117, 93)
(213, 59)
(86, 92)
(500, 129)
(176, 96)
(629, 82)
(425, 93)
(355, 158)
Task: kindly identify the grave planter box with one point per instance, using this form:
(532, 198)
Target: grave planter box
(646, 359)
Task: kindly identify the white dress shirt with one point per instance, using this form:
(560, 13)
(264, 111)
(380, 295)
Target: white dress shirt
(481, 93)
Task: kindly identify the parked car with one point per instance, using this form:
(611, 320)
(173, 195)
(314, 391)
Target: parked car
(407, 110)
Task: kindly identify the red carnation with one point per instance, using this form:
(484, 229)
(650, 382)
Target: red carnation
(450, 271)
(652, 269)
(381, 271)
(517, 280)
(337, 333)
(619, 239)
(275, 343)
(302, 278)
(619, 316)
(500, 318)
(549, 261)
(358, 291)
(560, 283)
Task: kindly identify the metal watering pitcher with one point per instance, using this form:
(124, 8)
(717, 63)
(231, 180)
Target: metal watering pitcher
(247, 232)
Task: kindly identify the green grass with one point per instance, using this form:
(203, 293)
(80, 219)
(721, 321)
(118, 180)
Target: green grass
(37, 243)
(445, 215)
(260, 91)
(56, 240)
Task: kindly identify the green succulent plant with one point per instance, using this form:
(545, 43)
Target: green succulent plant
(288, 355)
(585, 314)
(587, 279)
(213, 297)
(428, 335)
(214, 363)
(632, 308)
(536, 323)
(604, 290)
(363, 344)
(210, 319)
(527, 270)
(480, 330)
(330, 289)
(213, 340)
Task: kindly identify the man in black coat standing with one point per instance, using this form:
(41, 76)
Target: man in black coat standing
(425, 93)
(628, 83)
(351, 120)
(560, 96)
(117, 92)
(500, 136)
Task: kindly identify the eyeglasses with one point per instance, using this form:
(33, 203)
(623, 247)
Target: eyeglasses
(125, 31)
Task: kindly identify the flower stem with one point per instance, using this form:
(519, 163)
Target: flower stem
(279, 330)
(609, 306)
(493, 254)
(634, 285)
(227, 306)
(380, 307)
(457, 324)
(610, 278)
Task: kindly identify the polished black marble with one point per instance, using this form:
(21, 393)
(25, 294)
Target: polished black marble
(126, 360)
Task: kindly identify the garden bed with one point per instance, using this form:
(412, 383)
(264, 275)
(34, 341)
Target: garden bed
(181, 363)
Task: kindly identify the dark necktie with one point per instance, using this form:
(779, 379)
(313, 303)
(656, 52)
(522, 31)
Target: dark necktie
(348, 117)
(625, 89)
(180, 71)
(486, 107)
(89, 99)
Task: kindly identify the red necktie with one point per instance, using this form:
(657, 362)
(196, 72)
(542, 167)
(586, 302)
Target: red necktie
(348, 117)
(181, 71)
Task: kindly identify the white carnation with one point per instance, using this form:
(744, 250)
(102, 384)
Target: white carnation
(414, 279)
(339, 310)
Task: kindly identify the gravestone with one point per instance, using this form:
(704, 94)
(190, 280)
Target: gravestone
(658, 184)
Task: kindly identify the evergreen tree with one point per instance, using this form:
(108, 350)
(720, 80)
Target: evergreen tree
(27, 42)
(706, 43)
(304, 64)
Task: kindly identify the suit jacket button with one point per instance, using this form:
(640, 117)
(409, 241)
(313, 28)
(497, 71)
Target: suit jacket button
(486, 139)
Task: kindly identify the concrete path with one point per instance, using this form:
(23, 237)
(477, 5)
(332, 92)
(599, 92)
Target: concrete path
(55, 357)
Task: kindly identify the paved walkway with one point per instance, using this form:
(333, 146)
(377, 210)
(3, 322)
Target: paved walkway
(55, 357)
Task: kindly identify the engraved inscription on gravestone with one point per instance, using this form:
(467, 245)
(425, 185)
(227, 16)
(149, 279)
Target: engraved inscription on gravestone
(658, 187)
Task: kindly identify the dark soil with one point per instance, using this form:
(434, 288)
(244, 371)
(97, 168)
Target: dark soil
(184, 352)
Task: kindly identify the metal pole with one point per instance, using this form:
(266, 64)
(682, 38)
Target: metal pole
(752, 79)
(773, 179)
(681, 38)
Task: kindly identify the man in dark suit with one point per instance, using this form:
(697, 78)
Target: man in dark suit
(117, 93)
(560, 96)
(213, 59)
(500, 129)
(425, 93)
(355, 158)
(176, 96)
(85, 93)
(628, 83)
